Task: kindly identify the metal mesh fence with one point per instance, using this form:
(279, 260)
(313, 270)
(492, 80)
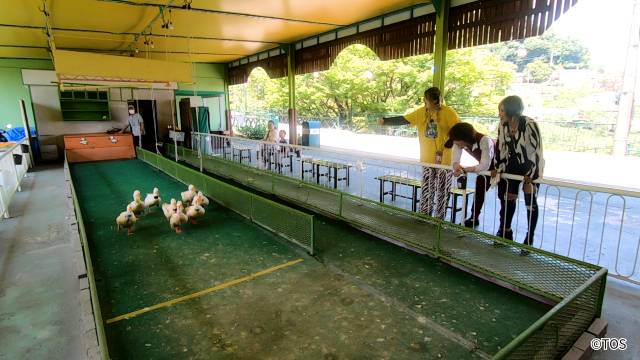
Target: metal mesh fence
(550, 276)
(553, 335)
(294, 225)
(396, 224)
(283, 220)
(230, 196)
(543, 273)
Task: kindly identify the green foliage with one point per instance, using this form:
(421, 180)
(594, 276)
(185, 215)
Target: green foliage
(538, 71)
(476, 81)
(253, 128)
(550, 48)
(359, 85)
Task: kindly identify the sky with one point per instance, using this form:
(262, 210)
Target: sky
(602, 26)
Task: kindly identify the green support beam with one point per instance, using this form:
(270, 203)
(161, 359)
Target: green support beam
(227, 103)
(442, 42)
(291, 74)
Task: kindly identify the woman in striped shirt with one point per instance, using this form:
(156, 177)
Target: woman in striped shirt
(519, 152)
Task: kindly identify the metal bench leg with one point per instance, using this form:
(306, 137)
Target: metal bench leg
(454, 209)
(348, 175)
(414, 198)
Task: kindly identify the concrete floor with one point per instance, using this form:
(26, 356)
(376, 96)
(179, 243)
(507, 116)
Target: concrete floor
(621, 303)
(39, 307)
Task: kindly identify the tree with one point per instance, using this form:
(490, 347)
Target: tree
(538, 71)
(549, 47)
(359, 85)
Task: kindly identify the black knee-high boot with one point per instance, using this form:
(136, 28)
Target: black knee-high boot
(531, 202)
(506, 219)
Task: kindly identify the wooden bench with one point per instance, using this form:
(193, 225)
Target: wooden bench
(317, 164)
(241, 153)
(416, 184)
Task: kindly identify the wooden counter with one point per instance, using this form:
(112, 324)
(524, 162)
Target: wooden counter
(98, 146)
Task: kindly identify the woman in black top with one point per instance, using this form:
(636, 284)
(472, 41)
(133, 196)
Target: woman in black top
(519, 152)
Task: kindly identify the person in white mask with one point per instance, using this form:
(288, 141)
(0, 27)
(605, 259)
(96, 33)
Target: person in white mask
(136, 124)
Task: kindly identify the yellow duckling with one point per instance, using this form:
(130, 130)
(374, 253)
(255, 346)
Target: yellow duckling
(178, 218)
(152, 199)
(195, 211)
(137, 204)
(169, 209)
(187, 196)
(127, 219)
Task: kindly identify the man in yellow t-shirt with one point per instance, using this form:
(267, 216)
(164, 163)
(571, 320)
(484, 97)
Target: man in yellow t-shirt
(433, 121)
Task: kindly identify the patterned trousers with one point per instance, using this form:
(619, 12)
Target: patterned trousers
(436, 184)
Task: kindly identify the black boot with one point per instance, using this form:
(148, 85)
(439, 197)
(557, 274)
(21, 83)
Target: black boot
(532, 217)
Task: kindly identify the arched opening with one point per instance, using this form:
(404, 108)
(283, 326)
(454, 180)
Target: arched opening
(258, 101)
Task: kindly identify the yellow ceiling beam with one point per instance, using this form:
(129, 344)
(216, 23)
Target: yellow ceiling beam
(73, 64)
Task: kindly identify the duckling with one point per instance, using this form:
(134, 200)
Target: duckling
(152, 199)
(127, 219)
(200, 199)
(187, 196)
(195, 211)
(178, 218)
(169, 209)
(137, 204)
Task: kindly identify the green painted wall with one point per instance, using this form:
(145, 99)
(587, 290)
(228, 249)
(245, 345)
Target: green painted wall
(12, 89)
(208, 77)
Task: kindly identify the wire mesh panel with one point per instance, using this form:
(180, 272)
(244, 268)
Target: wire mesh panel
(313, 196)
(563, 325)
(289, 223)
(190, 176)
(393, 223)
(229, 196)
(256, 179)
(543, 273)
(167, 166)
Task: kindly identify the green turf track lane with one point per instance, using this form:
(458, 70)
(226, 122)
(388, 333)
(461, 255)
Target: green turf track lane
(478, 310)
(307, 311)
(155, 264)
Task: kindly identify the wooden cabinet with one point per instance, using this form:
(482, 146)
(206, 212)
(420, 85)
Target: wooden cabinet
(96, 147)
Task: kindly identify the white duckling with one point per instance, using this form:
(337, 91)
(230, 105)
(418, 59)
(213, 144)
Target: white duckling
(152, 199)
(127, 219)
(195, 211)
(137, 204)
(187, 196)
(200, 199)
(178, 218)
(169, 209)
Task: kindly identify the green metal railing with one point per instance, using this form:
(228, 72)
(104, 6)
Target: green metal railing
(574, 286)
(293, 225)
(95, 302)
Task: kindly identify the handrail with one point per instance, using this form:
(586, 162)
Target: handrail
(4, 153)
(372, 156)
(523, 336)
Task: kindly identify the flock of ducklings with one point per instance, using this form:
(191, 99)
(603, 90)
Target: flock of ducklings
(174, 211)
